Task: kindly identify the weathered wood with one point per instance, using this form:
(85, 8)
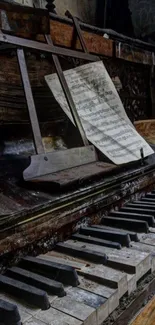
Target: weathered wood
(34, 321)
(13, 107)
(99, 289)
(131, 261)
(82, 252)
(129, 53)
(106, 276)
(96, 241)
(136, 304)
(124, 223)
(98, 232)
(76, 309)
(62, 34)
(32, 225)
(133, 235)
(55, 271)
(54, 317)
(29, 23)
(58, 161)
(146, 129)
(132, 283)
(23, 21)
(29, 293)
(36, 280)
(148, 239)
(61, 259)
(146, 248)
(152, 92)
(78, 264)
(85, 297)
(147, 315)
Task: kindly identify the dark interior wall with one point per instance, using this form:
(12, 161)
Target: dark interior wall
(129, 17)
(56, 129)
(83, 9)
(143, 18)
(115, 15)
(134, 87)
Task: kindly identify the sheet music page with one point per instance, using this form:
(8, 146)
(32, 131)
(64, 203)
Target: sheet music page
(101, 112)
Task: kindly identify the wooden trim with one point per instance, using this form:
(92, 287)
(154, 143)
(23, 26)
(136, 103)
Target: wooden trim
(133, 54)
(147, 315)
(62, 35)
(136, 304)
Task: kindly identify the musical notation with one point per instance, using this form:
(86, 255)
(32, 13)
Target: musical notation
(101, 112)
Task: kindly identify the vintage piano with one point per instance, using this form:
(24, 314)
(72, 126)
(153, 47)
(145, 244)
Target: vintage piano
(108, 219)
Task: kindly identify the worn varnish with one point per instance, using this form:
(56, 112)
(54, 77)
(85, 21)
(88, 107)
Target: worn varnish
(146, 129)
(134, 79)
(147, 315)
(62, 34)
(134, 92)
(23, 21)
(126, 52)
(35, 213)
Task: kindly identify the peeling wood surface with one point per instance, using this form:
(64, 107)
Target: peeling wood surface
(132, 54)
(62, 34)
(147, 315)
(13, 108)
(23, 21)
(146, 129)
(135, 80)
(19, 20)
(134, 92)
(135, 305)
(39, 214)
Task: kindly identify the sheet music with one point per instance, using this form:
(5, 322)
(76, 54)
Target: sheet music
(101, 112)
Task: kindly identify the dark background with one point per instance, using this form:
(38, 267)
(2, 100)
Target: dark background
(134, 18)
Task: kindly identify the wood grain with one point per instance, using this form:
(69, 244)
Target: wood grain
(128, 314)
(62, 34)
(147, 316)
(146, 129)
(133, 54)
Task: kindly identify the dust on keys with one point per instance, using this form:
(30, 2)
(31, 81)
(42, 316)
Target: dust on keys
(82, 280)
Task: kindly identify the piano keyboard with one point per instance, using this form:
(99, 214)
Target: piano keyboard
(82, 280)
